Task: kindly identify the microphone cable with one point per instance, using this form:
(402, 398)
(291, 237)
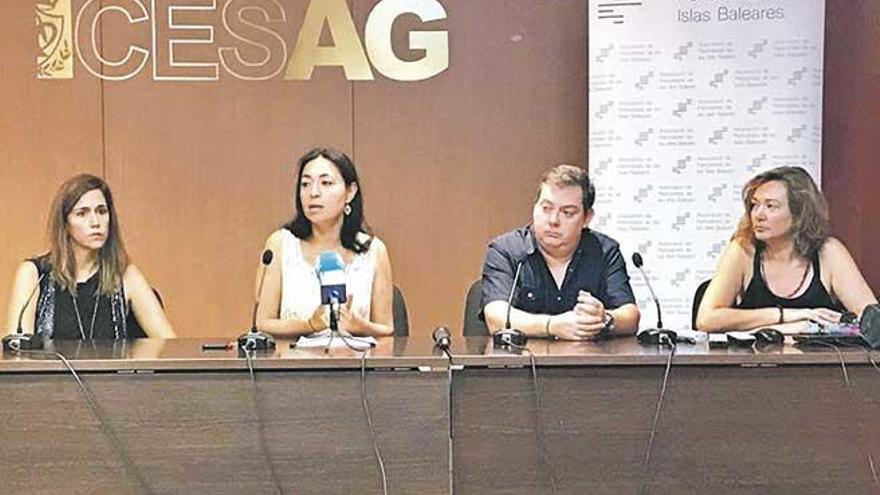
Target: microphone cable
(539, 418)
(369, 419)
(345, 338)
(130, 469)
(366, 406)
(451, 438)
(868, 354)
(646, 466)
(839, 359)
(449, 408)
(859, 424)
(261, 429)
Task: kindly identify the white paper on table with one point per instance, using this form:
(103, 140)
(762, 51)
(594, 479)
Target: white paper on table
(323, 339)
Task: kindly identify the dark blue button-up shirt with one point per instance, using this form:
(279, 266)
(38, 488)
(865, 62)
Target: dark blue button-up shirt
(596, 266)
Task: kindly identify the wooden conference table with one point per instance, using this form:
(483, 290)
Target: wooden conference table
(755, 420)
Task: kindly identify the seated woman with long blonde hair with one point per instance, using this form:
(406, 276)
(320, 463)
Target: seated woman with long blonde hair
(782, 268)
(85, 287)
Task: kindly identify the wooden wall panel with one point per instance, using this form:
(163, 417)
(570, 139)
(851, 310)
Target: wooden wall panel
(51, 130)
(850, 172)
(204, 172)
(449, 163)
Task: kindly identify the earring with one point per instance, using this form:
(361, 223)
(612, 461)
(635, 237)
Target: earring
(347, 209)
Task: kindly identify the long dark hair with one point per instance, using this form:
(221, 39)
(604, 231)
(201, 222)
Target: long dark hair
(112, 257)
(353, 223)
(809, 211)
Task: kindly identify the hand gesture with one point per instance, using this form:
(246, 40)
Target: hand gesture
(350, 320)
(585, 322)
(593, 312)
(822, 316)
(319, 320)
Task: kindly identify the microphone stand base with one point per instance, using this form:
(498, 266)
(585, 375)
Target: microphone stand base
(657, 336)
(256, 341)
(509, 337)
(21, 341)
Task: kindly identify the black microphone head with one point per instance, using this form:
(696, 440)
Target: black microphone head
(637, 259)
(440, 332)
(267, 257)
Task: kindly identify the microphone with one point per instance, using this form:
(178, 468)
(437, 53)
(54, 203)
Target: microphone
(512, 292)
(653, 336)
(20, 340)
(441, 337)
(253, 339)
(267, 260)
(511, 337)
(869, 325)
(637, 261)
(331, 273)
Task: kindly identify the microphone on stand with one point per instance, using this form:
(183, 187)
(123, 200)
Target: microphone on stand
(869, 325)
(638, 262)
(510, 337)
(658, 335)
(21, 340)
(331, 273)
(253, 339)
(441, 338)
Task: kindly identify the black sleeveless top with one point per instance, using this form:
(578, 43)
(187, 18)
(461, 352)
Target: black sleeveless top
(758, 295)
(56, 316)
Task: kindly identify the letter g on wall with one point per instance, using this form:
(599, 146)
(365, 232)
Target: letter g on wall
(434, 43)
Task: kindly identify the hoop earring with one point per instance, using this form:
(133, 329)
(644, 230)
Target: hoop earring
(347, 209)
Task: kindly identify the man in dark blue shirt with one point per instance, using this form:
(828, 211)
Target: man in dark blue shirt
(573, 283)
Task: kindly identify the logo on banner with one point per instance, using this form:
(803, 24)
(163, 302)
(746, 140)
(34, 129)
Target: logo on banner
(615, 12)
(161, 37)
(688, 99)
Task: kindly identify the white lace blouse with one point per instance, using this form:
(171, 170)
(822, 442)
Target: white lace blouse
(301, 289)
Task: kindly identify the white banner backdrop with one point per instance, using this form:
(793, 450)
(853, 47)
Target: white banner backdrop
(688, 99)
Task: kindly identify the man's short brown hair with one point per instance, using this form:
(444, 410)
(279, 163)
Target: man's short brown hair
(571, 176)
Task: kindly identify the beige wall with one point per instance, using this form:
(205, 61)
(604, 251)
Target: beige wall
(50, 130)
(203, 172)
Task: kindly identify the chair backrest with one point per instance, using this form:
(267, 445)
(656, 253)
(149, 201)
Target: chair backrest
(698, 297)
(401, 317)
(473, 326)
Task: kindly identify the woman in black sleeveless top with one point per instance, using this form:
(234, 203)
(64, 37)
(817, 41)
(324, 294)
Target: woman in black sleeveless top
(782, 269)
(85, 288)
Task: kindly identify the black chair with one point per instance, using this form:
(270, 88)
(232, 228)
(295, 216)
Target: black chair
(401, 317)
(473, 326)
(698, 297)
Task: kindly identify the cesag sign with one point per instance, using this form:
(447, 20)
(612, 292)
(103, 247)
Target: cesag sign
(162, 37)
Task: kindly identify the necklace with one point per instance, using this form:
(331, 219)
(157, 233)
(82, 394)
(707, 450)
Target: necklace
(79, 322)
(796, 289)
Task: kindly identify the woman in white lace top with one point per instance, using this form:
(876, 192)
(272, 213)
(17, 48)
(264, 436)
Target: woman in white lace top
(329, 218)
